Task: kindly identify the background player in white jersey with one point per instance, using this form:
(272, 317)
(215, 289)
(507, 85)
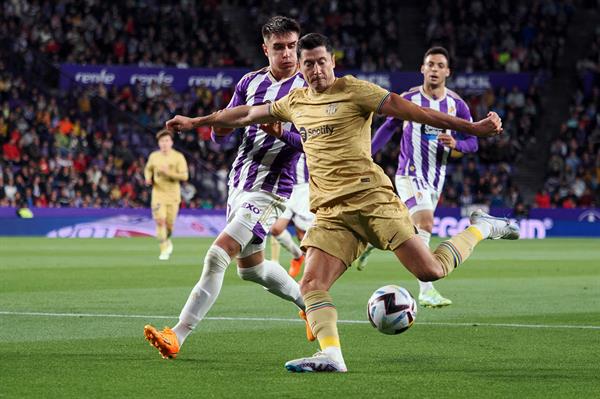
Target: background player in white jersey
(297, 210)
(424, 153)
(259, 184)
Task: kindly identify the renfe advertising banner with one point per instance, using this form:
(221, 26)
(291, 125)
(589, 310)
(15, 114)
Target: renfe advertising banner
(109, 223)
(181, 79)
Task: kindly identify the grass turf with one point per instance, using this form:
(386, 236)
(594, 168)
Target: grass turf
(514, 327)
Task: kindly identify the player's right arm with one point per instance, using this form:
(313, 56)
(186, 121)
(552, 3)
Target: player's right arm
(235, 117)
(400, 108)
(384, 134)
(149, 171)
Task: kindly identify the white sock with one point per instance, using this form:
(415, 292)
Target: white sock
(335, 353)
(275, 279)
(286, 241)
(484, 228)
(205, 292)
(425, 236)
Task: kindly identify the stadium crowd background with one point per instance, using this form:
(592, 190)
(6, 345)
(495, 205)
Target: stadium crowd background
(87, 147)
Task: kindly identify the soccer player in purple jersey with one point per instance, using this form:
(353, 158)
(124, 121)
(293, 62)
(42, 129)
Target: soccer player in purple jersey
(260, 182)
(424, 152)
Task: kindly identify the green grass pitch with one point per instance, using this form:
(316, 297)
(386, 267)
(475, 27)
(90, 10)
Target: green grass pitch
(525, 323)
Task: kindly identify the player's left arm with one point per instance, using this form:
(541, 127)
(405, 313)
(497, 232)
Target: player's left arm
(459, 143)
(240, 116)
(396, 106)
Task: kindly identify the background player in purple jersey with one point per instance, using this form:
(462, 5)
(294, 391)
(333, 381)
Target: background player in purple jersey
(260, 182)
(297, 210)
(424, 152)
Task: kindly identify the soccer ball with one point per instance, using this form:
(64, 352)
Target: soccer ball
(392, 309)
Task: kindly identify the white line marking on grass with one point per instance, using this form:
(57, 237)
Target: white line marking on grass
(281, 319)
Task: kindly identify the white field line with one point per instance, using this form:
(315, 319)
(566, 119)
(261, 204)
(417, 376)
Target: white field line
(279, 319)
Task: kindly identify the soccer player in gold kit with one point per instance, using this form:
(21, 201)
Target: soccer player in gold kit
(354, 201)
(165, 169)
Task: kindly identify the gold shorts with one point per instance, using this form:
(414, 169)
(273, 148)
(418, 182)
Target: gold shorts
(165, 210)
(375, 216)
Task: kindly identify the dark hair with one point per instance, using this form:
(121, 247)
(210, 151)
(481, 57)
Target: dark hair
(438, 50)
(313, 40)
(162, 133)
(279, 25)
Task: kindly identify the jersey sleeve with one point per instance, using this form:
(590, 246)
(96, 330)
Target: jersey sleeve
(368, 96)
(281, 109)
(465, 143)
(182, 168)
(149, 169)
(239, 94)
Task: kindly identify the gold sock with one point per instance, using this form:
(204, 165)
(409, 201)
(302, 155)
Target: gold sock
(161, 235)
(275, 249)
(322, 317)
(457, 249)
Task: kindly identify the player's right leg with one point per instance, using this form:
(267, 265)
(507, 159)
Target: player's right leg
(201, 299)
(331, 248)
(321, 271)
(159, 214)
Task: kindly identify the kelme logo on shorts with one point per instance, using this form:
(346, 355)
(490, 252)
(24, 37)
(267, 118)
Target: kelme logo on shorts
(316, 131)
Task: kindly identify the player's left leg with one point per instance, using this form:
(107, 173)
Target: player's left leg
(280, 232)
(421, 200)
(427, 266)
(428, 295)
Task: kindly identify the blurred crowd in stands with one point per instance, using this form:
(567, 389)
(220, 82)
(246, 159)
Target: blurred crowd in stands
(87, 147)
(508, 35)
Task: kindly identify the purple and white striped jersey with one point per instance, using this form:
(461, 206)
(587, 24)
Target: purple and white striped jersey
(421, 155)
(264, 163)
(300, 171)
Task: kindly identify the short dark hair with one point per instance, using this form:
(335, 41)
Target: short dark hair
(279, 25)
(438, 50)
(162, 133)
(313, 40)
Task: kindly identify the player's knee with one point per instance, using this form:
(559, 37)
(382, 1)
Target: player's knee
(276, 230)
(310, 283)
(426, 225)
(431, 273)
(161, 222)
(216, 260)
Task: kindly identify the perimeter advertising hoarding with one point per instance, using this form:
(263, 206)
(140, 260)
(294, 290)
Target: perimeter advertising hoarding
(109, 223)
(182, 79)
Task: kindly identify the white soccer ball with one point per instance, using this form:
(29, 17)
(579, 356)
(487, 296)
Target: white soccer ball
(392, 309)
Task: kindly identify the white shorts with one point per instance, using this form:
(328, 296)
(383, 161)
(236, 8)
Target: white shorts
(250, 216)
(416, 194)
(298, 207)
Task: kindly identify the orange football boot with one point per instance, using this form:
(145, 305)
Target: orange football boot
(309, 334)
(165, 341)
(296, 266)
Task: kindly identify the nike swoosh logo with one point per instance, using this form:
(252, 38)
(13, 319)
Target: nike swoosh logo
(392, 239)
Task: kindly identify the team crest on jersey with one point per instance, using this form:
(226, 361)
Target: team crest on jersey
(452, 110)
(331, 109)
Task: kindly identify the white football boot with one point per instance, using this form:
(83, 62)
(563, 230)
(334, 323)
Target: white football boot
(500, 228)
(319, 362)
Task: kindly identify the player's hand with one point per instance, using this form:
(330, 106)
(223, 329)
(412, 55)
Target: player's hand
(273, 129)
(179, 123)
(447, 140)
(490, 126)
(164, 169)
(148, 182)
